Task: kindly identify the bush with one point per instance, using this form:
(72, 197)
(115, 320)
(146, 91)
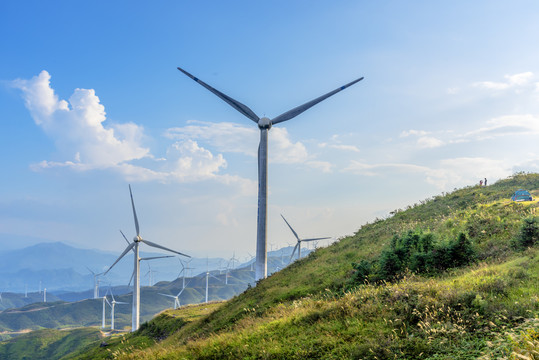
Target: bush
(417, 252)
(528, 235)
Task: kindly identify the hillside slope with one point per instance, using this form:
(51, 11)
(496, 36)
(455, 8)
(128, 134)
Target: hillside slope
(451, 308)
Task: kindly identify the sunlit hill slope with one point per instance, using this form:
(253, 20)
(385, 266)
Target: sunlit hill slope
(452, 277)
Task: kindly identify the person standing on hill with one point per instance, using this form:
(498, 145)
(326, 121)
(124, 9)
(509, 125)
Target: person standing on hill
(485, 181)
(480, 182)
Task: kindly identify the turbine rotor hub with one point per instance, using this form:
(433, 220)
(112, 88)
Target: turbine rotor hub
(137, 238)
(264, 123)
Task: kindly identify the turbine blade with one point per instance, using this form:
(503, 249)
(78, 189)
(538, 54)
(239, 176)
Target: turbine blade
(132, 276)
(170, 296)
(234, 103)
(298, 110)
(121, 256)
(107, 300)
(161, 247)
(134, 211)
(120, 302)
(313, 239)
(293, 252)
(90, 270)
(295, 234)
(157, 257)
(125, 237)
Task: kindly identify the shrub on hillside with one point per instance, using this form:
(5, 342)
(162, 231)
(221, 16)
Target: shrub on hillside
(415, 251)
(528, 235)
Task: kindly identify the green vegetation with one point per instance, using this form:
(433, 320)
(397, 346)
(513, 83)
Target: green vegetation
(47, 344)
(453, 277)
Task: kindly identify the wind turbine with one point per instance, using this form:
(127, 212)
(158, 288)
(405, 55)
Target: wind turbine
(176, 298)
(151, 274)
(298, 244)
(184, 271)
(103, 314)
(264, 124)
(136, 271)
(208, 274)
(142, 259)
(112, 305)
(96, 282)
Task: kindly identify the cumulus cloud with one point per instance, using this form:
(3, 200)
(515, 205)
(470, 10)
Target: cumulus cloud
(511, 81)
(81, 134)
(234, 138)
(76, 126)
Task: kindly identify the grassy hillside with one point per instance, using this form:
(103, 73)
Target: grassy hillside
(47, 344)
(486, 306)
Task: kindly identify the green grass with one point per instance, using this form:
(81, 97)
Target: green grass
(307, 310)
(47, 344)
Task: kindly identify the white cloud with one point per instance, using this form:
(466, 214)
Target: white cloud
(448, 174)
(526, 124)
(230, 137)
(351, 148)
(429, 142)
(512, 81)
(407, 133)
(187, 161)
(77, 127)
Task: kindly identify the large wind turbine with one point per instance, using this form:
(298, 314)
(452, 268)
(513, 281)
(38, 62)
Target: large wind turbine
(298, 244)
(136, 283)
(264, 124)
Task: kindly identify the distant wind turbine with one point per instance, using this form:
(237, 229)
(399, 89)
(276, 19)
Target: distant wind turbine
(299, 241)
(184, 271)
(105, 301)
(176, 298)
(136, 283)
(96, 282)
(208, 274)
(264, 124)
(112, 305)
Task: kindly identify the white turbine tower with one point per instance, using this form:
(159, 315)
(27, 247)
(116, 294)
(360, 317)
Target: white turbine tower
(136, 271)
(112, 305)
(299, 241)
(96, 282)
(103, 313)
(264, 124)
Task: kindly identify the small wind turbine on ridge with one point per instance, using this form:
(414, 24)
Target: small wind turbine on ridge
(136, 283)
(112, 305)
(299, 241)
(176, 298)
(265, 124)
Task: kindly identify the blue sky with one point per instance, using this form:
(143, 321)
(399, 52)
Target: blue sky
(90, 101)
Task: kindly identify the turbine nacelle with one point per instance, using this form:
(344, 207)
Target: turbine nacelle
(264, 123)
(137, 238)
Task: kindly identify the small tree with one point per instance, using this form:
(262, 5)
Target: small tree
(529, 233)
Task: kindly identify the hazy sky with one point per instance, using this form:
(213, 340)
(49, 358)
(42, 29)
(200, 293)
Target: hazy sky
(91, 101)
